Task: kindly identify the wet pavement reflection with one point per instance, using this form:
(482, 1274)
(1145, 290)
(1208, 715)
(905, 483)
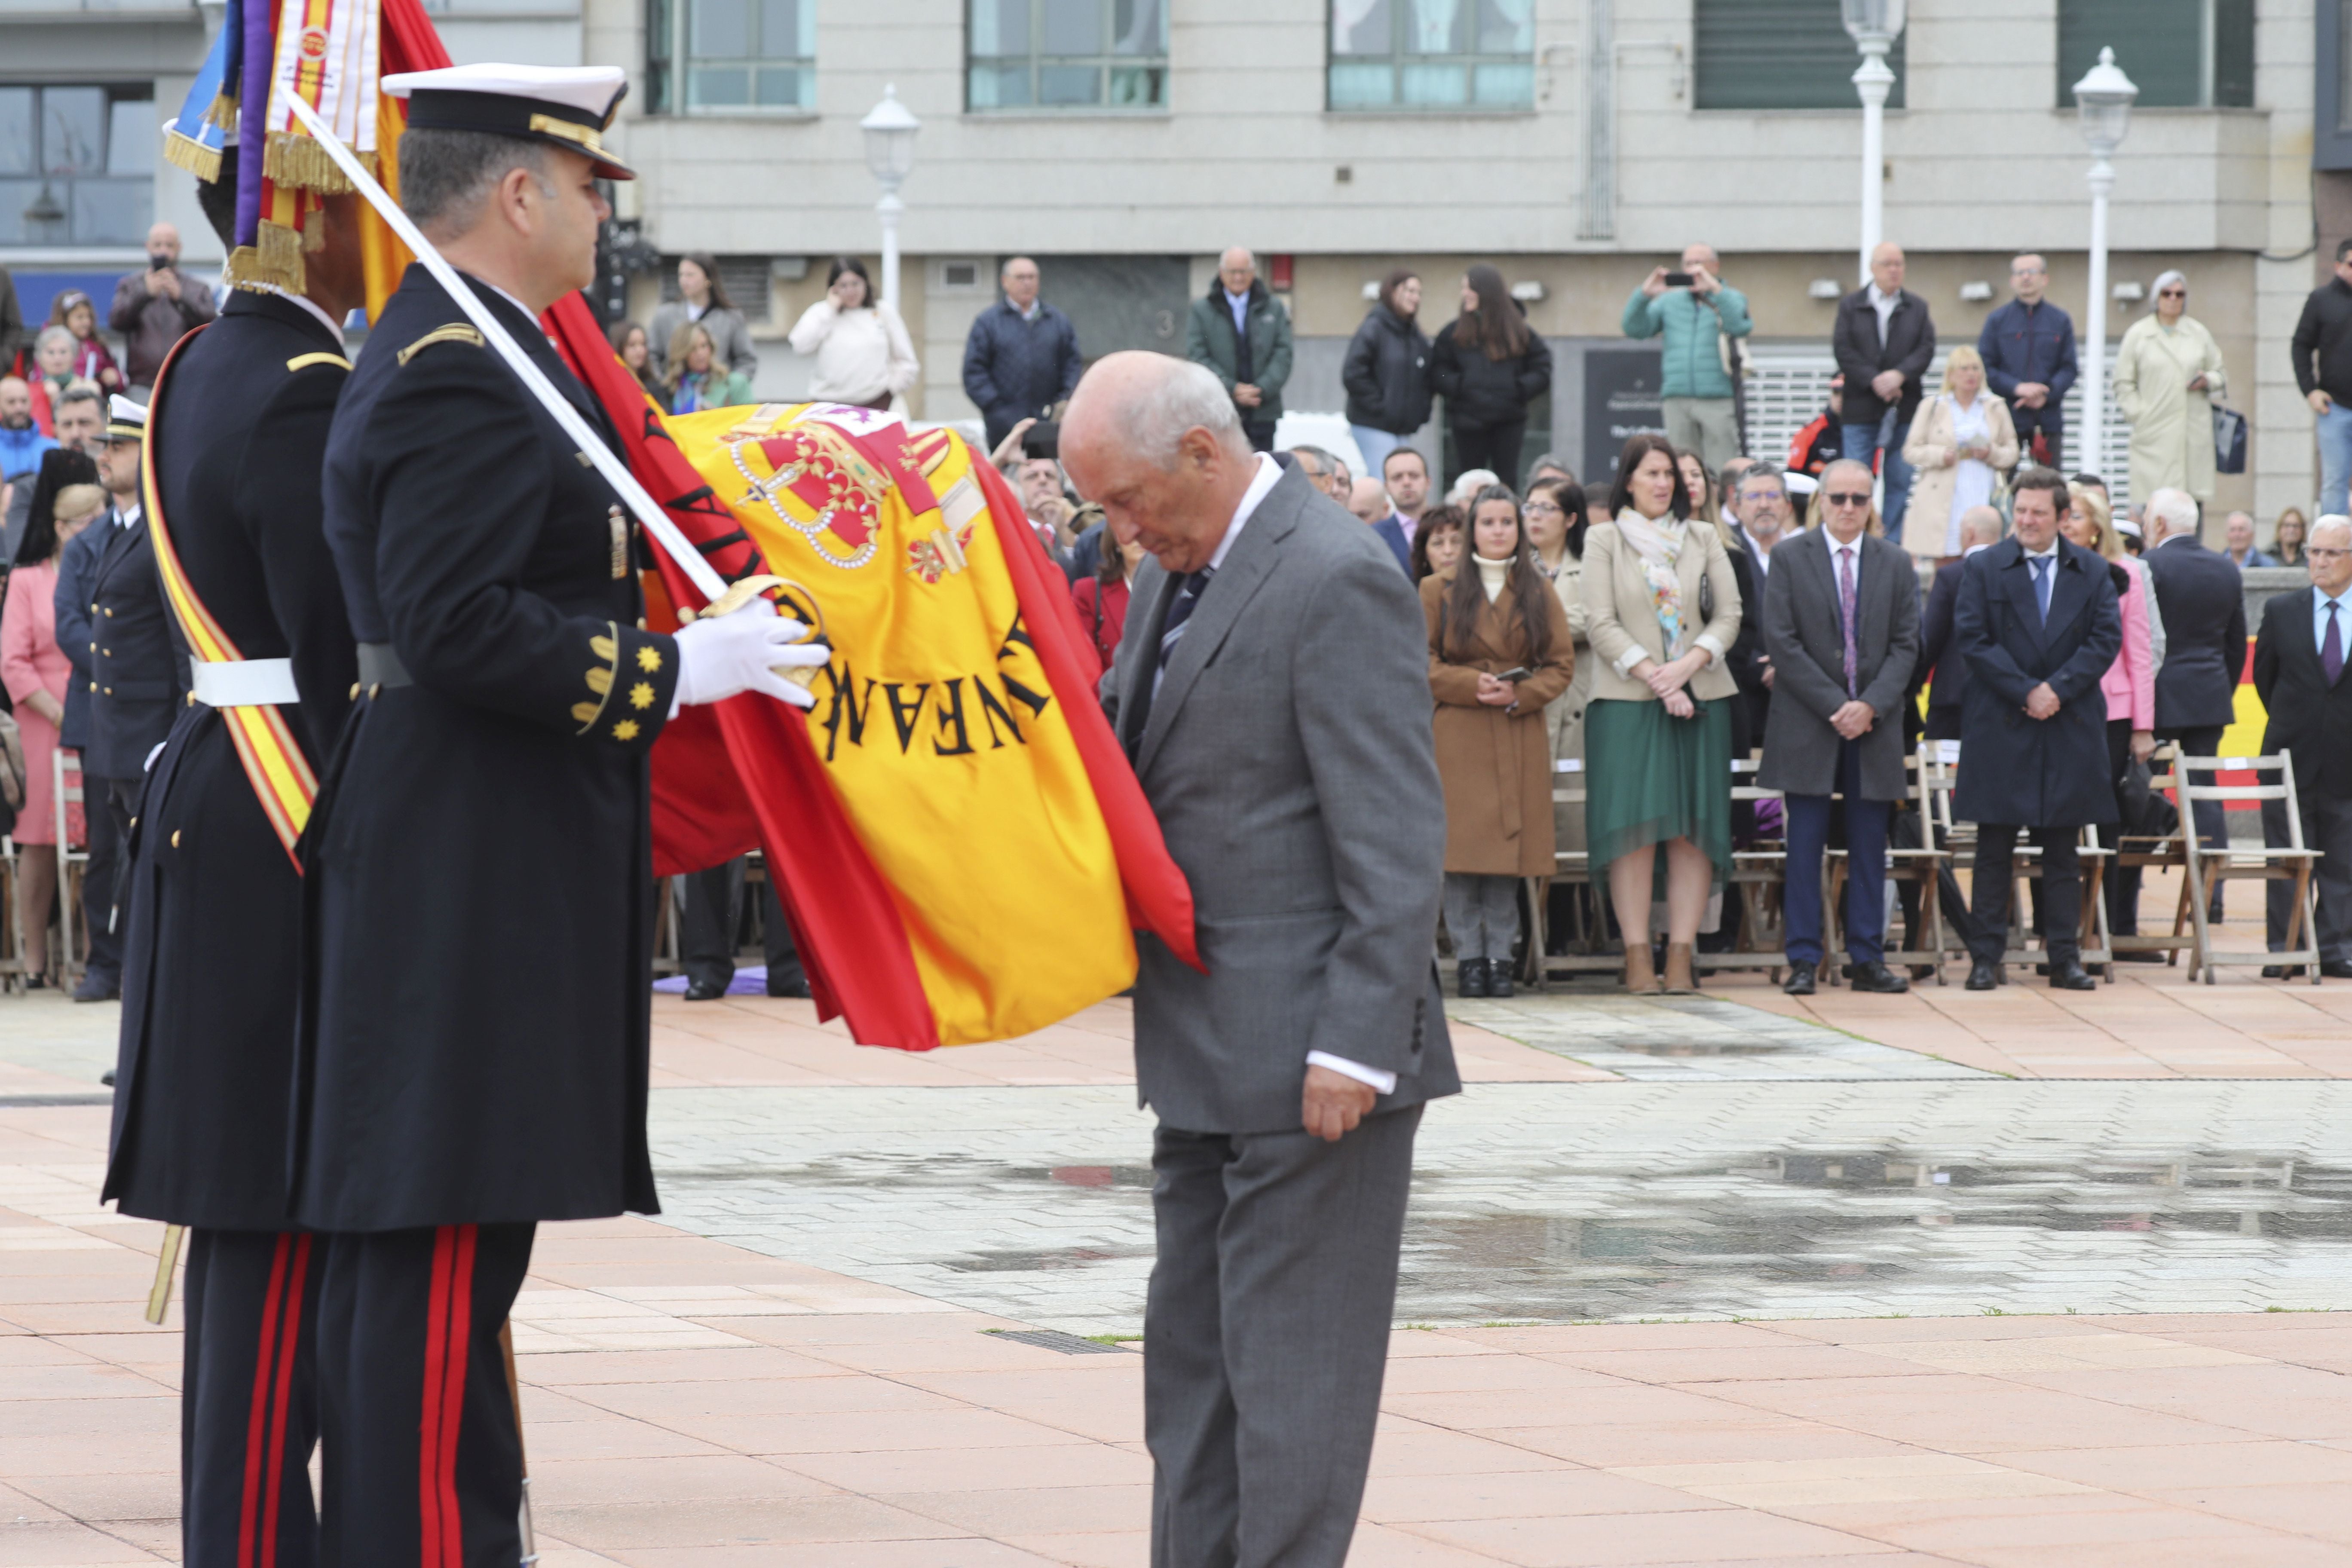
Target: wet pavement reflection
(1578, 1202)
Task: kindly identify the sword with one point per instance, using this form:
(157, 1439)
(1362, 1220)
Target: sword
(658, 525)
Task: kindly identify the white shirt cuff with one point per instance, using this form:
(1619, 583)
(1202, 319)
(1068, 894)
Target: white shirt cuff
(1383, 1082)
(1713, 644)
(1633, 655)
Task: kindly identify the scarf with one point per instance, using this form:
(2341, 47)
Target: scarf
(1660, 546)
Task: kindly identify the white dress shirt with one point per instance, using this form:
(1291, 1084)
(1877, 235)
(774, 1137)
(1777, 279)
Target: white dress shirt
(1884, 303)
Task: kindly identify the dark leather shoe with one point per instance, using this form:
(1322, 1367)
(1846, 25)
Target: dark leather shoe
(1983, 977)
(2278, 971)
(1800, 981)
(2140, 956)
(2068, 975)
(2337, 968)
(98, 988)
(1498, 977)
(1470, 977)
(1875, 977)
(704, 990)
(798, 988)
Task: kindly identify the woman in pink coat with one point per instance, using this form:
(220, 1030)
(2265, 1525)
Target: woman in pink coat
(2129, 685)
(34, 669)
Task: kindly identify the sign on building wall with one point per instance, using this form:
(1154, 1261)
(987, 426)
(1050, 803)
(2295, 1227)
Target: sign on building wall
(1621, 401)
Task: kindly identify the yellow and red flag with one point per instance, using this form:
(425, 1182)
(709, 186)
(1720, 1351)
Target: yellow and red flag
(961, 843)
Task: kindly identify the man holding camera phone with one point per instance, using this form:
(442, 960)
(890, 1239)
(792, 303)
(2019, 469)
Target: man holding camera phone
(1702, 320)
(155, 308)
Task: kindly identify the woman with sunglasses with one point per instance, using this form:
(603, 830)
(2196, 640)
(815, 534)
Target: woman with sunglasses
(2168, 377)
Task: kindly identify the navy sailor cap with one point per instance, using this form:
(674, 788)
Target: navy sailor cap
(566, 106)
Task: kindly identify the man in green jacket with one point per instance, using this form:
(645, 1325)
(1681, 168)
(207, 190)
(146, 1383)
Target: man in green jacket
(1244, 336)
(1696, 316)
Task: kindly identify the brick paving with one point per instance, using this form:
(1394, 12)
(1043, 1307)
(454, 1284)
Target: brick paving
(829, 1393)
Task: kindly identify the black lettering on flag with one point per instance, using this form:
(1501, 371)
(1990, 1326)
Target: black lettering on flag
(1018, 635)
(991, 710)
(903, 715)
(1034, 700)
(951, 714)
(844, 707)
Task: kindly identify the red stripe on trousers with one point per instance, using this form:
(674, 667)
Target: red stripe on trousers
(437, 1344)
(289, 1340)
(256, 1430)
(453, 1396)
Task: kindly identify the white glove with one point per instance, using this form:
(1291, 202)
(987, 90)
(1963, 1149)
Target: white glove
(720, 655)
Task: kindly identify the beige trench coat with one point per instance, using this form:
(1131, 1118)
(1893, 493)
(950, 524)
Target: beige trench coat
(2171, 427)
(1494, 762)
(1927, 515)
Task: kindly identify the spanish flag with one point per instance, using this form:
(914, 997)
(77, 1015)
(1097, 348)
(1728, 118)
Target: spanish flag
(960, 842)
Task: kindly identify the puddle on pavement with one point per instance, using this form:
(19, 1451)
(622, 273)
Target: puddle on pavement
(1699, 1047)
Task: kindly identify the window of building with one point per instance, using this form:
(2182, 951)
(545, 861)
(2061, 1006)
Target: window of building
(1433, 54)
(1778, 54)
(2182, 53)
(77, 165)
(2332, 130)
(730, 56)
(1067, 54)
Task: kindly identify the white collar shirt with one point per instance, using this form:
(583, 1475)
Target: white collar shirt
(1239, 305)
(2319, 604)
(1884, 303)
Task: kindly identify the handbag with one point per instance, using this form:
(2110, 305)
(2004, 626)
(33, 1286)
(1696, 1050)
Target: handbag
(2229, 440)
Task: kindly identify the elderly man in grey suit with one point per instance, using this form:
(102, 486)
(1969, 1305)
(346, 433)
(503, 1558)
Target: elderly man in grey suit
(1273, 689)
(1841, 624)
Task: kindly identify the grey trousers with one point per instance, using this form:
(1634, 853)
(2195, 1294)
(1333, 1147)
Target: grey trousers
(2327, 827)
(1482, 914)
(1265, 1335)
(1707, 425)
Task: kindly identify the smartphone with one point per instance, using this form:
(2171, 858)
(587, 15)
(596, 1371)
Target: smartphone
(1515, 674)
(1678, 280)
(1042, 439)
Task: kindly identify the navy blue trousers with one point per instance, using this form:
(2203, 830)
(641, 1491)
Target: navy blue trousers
(1865, 882)
(249, 1399)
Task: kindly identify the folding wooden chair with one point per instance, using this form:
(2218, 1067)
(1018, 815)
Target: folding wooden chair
(1573, 867)
(2159, 852)
(1757, 876)
(73, 864)
(2025, 868)
(2290, 862)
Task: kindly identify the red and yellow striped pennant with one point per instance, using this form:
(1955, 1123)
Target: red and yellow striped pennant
(274, 763)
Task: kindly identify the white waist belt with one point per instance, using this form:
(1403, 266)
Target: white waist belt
(245, 683)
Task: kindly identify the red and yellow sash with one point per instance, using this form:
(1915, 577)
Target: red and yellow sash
(274, 763)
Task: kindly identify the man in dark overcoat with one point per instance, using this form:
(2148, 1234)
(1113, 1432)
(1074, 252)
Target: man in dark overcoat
(1842, 625)
(212, 909)
(2202, 600)
(2037, 621)
(2299, 659)
(471, 1055)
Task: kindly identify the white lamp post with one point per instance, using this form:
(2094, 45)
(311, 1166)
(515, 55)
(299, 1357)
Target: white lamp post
(1874, 25)
(2105, 97)
(890, 153)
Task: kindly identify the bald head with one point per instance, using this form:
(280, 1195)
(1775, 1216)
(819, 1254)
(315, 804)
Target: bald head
(1237, 269)
(1157, 442)
(1368, 500)
(1887, 267)
(1980, 525)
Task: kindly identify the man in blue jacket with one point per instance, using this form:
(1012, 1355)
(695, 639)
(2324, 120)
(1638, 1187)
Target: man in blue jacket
(2029, 353)
(1021, 357)
(1696, 318)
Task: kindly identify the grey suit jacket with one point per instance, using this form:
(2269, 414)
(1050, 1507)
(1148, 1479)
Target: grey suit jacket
(1289, 757)
(1805, 633)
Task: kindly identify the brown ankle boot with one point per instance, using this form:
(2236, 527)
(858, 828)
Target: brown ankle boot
(1680, 979)
(1641, 978)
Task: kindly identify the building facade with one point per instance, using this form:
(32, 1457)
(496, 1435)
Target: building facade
(1574, 144)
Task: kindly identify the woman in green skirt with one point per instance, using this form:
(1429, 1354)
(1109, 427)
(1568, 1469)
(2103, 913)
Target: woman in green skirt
(1661, 607)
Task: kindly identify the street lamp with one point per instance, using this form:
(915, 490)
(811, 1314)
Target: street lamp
(1874, 25)
(890, 153)
(2105, 97)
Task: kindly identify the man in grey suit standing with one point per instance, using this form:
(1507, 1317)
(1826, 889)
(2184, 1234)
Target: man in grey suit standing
(1272, 691)
(1841, 625)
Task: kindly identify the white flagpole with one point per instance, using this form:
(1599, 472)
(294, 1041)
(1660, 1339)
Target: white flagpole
(664, 532)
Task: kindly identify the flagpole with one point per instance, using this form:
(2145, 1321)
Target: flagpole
(666, 533)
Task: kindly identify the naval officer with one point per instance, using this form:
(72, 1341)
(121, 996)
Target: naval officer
(472, 1050)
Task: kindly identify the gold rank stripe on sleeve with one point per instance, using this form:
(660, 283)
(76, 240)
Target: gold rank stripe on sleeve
(274, 764)
(598, 677)
(304, 362)
(455, 333)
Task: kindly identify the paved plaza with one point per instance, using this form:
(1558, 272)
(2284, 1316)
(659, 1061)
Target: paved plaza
(2015, 1279)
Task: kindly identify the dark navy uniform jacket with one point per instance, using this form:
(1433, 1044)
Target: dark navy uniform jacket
(138, 681)
(212, 942)
(478, 985)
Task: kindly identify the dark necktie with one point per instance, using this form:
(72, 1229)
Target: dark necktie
(2331, 651)
(1845, 611)
(1172, 631)
(2041, 565)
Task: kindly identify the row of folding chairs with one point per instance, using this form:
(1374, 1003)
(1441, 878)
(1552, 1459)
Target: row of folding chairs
(1760, 871)
(73, 864)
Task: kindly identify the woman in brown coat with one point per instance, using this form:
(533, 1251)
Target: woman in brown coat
(1499, 649)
